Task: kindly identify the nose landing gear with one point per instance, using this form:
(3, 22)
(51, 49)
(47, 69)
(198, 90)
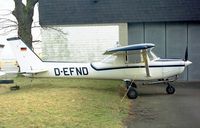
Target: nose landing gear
(170, 89)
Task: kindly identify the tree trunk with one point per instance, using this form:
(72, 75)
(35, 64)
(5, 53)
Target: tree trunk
(24, 16)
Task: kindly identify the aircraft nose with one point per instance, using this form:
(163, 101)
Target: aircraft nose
(187, 63)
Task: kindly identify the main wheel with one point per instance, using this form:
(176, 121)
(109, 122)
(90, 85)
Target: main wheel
(170, 89)
(132, 93)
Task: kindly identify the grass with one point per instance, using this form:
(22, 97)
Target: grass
(63, 103)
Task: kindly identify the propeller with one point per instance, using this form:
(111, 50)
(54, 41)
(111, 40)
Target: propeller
(187, 62)
(186, 54)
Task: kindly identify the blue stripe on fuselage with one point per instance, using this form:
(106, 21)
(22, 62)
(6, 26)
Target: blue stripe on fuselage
(126, 67)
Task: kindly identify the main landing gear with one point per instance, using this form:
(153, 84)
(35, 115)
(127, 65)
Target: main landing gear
(131, 90)
(133, 94)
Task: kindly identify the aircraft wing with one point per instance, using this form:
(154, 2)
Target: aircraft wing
(134, 47)
(130, 48)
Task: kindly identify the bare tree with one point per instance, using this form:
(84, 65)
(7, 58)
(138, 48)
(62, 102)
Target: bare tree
(24, 15)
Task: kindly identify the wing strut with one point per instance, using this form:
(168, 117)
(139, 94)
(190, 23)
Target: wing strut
(144, 54)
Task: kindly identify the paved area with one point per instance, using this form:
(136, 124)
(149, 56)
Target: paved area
(155, 109)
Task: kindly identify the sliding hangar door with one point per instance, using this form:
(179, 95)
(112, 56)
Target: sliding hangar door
(171, 39)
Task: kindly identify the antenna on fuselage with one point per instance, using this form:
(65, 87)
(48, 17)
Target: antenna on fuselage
(117, 44)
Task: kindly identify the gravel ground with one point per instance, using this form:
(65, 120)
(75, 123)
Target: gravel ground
(155, 109)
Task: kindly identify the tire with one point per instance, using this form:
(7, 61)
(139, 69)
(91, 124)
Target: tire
(132, 93)
(170, 90)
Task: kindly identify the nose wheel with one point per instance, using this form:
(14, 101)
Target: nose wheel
(170, 89)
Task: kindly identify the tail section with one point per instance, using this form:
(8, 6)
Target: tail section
(28, 61)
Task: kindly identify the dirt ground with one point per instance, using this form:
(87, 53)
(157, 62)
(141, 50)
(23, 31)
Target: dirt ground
(155, 109)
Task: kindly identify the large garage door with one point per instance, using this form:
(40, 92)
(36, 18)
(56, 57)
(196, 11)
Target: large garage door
(194, 48)
(171, 40)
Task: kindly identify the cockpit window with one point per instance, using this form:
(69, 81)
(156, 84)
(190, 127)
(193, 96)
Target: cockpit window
(109, 59)
(129, 57)
(134, 57)
(114, 59)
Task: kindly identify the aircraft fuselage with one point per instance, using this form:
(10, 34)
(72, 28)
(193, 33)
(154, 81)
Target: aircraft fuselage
(161, 68)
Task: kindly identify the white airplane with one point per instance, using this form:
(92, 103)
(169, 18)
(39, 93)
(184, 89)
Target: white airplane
(129, 63)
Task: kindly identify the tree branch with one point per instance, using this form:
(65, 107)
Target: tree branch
(56, 29)
(8, 26)
(32, 2)
(5, 32)
(5, 10)
(4, 20)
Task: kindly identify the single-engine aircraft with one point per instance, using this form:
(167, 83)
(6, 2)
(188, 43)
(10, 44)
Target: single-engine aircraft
(129, 63)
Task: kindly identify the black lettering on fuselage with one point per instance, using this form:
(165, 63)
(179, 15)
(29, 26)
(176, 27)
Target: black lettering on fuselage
(79, 71)
(85, 70)
(57, 71)
(65, 71)
(71, 71)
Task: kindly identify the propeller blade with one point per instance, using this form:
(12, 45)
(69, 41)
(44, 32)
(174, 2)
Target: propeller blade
(186, 54)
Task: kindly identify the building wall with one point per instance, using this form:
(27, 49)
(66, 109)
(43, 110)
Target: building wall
(171, 39)
(81, 43)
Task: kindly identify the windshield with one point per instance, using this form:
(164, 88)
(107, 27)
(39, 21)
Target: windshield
(151, 55)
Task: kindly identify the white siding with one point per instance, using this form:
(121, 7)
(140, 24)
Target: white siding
(81, 43)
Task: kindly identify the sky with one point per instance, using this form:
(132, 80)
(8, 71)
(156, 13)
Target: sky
(4, 7)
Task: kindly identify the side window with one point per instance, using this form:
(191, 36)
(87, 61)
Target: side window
(109, 59)
(115, 59)
(134, 57)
